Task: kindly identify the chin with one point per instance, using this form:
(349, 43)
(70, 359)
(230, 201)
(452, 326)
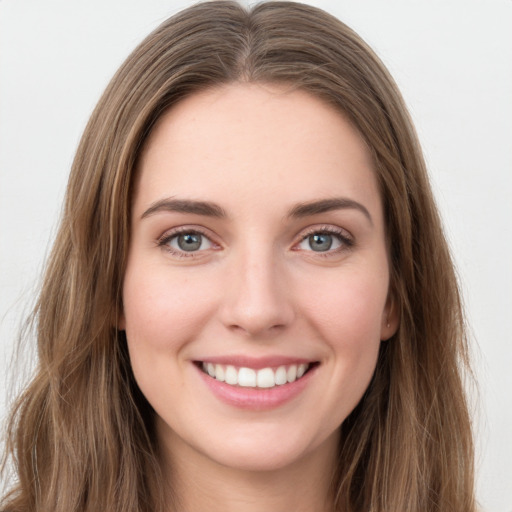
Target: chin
(258, 448)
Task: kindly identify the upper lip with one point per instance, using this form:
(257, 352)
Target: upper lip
(243, 361)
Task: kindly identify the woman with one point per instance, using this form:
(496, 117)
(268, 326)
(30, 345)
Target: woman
(250, 302)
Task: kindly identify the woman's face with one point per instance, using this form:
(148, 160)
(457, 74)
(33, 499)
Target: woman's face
(256, 290)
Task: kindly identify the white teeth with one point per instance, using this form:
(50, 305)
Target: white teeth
(231, 375)
(250, 378)
(291, 374)
(281, 376)
(265, 378)
(219, 373)
(247, 378)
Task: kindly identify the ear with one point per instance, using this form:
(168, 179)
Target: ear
(390, 319)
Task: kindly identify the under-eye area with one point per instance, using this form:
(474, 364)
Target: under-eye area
(264, 378)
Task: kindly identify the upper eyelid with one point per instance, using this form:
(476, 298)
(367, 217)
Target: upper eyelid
(172, 232)
(325, 228)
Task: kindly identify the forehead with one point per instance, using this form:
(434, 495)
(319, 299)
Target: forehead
(255, 142)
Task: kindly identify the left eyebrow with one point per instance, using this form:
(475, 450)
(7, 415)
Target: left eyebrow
(327, 205)
(171, 204)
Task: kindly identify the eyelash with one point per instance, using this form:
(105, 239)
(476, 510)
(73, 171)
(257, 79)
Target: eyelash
(347, 242)
(164, 240)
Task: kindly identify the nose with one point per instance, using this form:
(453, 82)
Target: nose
(257, 300)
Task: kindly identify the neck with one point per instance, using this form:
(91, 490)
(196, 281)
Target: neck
(201, 484)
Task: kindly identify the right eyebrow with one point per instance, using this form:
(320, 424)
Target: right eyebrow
(327, 205)
(170, 204)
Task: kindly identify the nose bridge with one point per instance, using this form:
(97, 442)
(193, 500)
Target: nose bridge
(256, 299)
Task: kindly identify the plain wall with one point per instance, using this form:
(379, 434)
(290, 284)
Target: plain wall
(452, 60)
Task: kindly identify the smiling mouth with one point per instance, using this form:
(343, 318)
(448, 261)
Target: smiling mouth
(263, 378)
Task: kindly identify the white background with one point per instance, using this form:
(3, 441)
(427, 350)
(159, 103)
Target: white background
(453, 62)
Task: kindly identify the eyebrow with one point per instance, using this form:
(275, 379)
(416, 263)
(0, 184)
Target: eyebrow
(327, 205)
(170, 204)
(209, 209)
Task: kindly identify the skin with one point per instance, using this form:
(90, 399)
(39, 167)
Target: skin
(255, 288)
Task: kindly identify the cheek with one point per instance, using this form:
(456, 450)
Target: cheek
(349, 310)
(163, 309)
(346, 314)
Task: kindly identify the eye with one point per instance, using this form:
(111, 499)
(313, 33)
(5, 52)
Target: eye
(189, 241)
(325, 241)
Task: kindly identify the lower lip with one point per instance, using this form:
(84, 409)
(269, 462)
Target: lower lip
(256, 399)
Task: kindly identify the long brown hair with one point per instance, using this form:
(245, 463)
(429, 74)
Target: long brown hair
(81, 434)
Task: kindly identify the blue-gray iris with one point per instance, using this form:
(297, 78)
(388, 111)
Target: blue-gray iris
(189, 242)
(320, 242)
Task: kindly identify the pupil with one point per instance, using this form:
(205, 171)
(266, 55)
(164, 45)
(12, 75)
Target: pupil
(189, 242)
(320, 242)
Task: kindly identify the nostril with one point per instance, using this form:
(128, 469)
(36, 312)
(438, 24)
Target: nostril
(257, 329)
